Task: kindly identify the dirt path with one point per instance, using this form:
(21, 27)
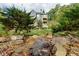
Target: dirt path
(60, 50)
(59, 42)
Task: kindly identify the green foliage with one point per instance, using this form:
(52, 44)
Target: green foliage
(2, 30)
(18, 19)
(66, 18)
(2, 27)
(39, 32)
(1, 14)
(52, 12)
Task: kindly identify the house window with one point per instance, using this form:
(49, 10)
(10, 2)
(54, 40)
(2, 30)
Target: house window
(44, 22)
(44, 18)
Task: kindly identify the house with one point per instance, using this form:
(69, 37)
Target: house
(40, 16)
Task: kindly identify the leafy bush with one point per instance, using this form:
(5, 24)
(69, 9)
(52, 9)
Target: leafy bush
(2, 30)
(67, 17)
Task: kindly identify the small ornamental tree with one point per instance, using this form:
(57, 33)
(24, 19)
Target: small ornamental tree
(18, 19)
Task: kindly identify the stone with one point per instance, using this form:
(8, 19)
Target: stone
(16, 42)
(49, 36)
(16, 37)
(4, 39)
(42, 48)
(35, 36)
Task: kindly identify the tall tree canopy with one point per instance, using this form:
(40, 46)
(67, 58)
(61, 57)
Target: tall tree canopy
(66, 18)
(18, 19)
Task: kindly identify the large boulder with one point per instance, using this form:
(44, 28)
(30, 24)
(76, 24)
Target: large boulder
(42, 48)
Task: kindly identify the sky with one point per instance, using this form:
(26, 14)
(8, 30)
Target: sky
(31, 6)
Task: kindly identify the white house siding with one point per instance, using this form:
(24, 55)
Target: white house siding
(39, 16)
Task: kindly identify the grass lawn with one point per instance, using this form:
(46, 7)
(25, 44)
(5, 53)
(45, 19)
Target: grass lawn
(40, 31)
(35, 31)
